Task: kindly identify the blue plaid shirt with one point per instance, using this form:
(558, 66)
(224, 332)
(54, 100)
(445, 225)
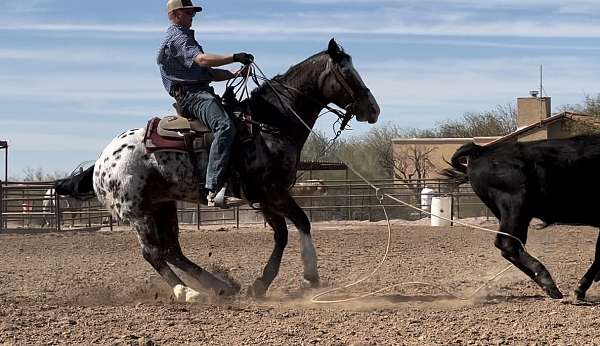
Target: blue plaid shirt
(176, 58)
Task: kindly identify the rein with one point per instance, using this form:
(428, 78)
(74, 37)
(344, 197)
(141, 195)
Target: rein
(344, 116)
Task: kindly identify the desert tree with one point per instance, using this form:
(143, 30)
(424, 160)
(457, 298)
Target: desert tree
(590, 106)
(412, 165)
(499, 121)
(37, 174)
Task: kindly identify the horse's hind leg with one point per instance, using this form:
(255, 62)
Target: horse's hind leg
(277, 222)
(165, 216)
(593, 274)
(154, 249)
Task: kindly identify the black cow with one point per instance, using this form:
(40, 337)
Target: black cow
(554, 180)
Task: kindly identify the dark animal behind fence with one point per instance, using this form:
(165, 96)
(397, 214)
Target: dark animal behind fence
(553, 180)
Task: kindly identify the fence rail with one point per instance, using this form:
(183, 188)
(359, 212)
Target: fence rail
(29, 206)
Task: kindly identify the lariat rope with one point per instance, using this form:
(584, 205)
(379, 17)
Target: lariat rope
(240, 86)
(380, 197)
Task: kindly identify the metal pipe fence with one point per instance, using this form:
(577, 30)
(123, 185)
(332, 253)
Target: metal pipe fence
(27, 206)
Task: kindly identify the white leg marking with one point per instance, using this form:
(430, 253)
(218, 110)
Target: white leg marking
(192, 295)
(179, 292)
(309, 256)
(186, 294)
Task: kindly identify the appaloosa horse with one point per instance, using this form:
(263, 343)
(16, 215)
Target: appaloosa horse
(143, 187)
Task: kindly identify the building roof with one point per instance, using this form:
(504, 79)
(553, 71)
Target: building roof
(581, 117)
(443, 140)
(573, 116)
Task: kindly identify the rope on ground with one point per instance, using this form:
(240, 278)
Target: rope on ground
(315, 299)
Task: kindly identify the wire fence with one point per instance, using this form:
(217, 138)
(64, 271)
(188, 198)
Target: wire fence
(34, 206)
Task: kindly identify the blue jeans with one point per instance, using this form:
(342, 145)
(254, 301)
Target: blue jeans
(206, 107)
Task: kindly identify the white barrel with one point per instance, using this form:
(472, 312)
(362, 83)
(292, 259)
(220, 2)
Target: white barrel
(441, 206)
(426, 195)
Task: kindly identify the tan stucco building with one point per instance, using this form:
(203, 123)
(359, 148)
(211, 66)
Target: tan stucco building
(534, 121)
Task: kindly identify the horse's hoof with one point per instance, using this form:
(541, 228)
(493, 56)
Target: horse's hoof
(553, 292)
(228, 291)
(192, 296)
(258, 289)
(179, 292)
(186, 294)
(311, 284)
(578, 296)
(577, 300)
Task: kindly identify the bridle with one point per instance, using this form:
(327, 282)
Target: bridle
(348, 113)
(344, 115)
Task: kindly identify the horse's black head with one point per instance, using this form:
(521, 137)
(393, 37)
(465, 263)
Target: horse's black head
(342, 84)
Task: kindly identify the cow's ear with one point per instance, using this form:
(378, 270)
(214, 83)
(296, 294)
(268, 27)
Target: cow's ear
(334, 50)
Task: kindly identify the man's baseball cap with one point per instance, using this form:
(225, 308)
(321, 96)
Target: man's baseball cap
(173, 5)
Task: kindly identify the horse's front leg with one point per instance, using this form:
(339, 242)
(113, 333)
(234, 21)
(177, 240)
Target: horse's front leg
(277, 222)
(309, 254)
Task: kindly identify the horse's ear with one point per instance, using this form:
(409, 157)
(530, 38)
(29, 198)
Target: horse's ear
(334, 50)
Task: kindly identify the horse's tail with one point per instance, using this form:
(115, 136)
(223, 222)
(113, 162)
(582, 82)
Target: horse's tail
(79, 186)
(457, 174)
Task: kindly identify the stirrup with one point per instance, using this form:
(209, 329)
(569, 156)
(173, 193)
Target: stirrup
(222, 201)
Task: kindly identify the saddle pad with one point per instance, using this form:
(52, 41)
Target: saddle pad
(153, 141)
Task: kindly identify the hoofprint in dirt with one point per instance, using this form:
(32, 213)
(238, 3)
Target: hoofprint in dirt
(84, 288)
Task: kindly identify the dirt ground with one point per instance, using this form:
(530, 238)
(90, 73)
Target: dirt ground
(95, 288)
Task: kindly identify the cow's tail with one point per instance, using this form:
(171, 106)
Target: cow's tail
(79, 186)
(457, 174)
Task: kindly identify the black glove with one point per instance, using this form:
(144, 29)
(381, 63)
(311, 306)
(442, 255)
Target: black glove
(243, 58)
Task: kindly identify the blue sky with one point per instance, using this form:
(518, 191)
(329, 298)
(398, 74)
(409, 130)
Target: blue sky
(74, 74)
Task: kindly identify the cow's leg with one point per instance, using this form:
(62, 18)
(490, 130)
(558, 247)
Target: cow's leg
(165, 216)
(277, 222)
(309, 254)
(514, 222)
(591, 275)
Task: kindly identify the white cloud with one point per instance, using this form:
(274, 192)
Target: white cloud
(69, 27)
(80, 55)
(83, 87)
(46, 142)
(25, 6)
(501, 4)
(377, 22)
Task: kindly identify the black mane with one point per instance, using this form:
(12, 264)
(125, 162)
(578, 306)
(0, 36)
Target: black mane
(268, 108)
(291, 76)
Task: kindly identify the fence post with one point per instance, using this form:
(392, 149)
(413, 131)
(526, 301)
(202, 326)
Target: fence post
(199, 220)
(57, 210)
(22, 210)
(349, 206)
(2, 225)
(88, 213)
(458, 204)
(369, 204)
